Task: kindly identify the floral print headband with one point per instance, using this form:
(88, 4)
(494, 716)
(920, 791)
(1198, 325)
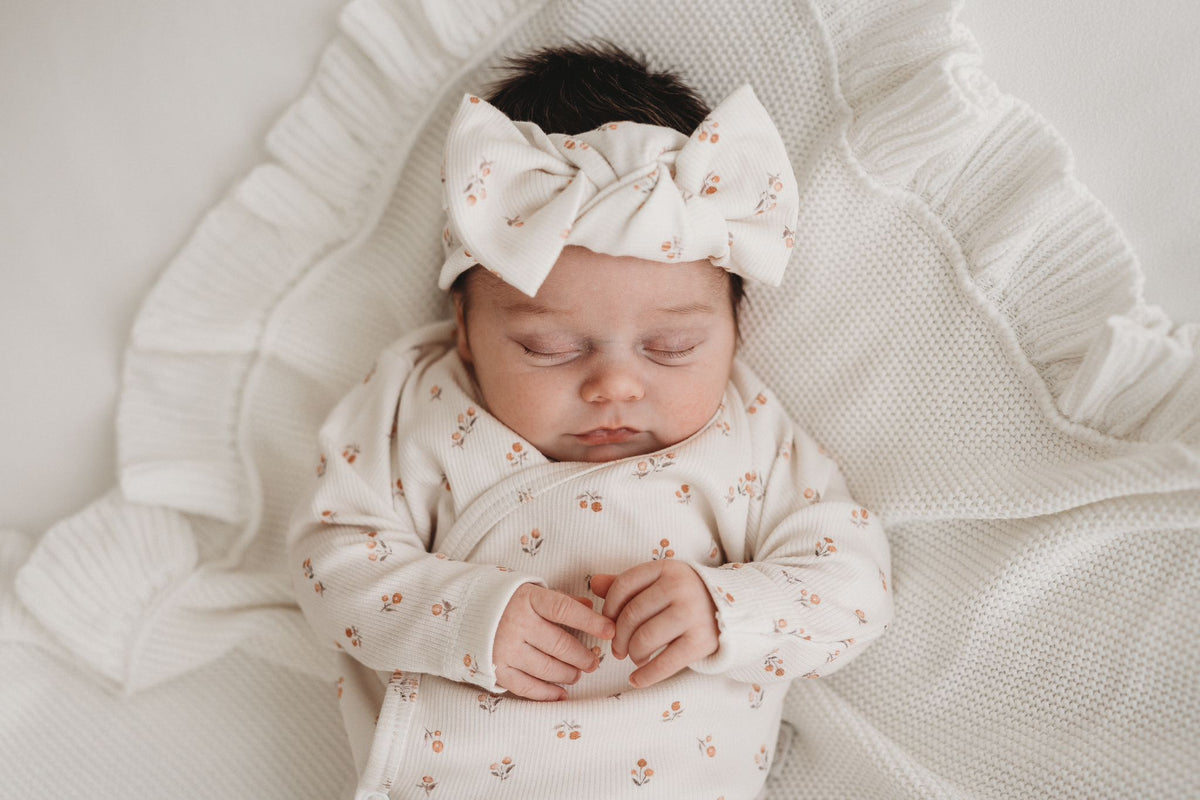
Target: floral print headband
(515, 196)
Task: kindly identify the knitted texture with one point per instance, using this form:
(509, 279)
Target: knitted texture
(961, 327)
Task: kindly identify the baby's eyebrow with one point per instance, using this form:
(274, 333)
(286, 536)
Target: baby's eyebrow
(529, 307)
(689, 308)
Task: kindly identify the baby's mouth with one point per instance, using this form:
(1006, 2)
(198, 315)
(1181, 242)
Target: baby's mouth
(599, 436)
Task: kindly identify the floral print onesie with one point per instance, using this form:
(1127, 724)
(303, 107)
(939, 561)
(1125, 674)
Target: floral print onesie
(426, 514)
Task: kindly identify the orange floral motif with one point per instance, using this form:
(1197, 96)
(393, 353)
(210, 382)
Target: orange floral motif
(404, 685)
(525, 496)
(825, 547)
(475, 189)
(707, 748)
(390, 601)
(350, 453)
(662, 551)
(710, 183)
(503, 769)
(489, 702)
(773, 664)
(708, 131)
(377, 549)
(724, 595)
(781, 626)
(598, 652)
(759, 400)
(789, 237)
(862, 616)
(756, 696)
(883, 580)
(808, 600)
(328, 517)
(435, 740)
(517, 454)
(673, 713)
(652, 464)
(642, 773)
(471, 664)
(570, 731)
(318, 587)
(749, 485)
(341, 683)
(515, 222)
(784, 451)
(532, 542)
(684, 493)
(673, 248)
(321, 467)
(352, 635)
(812, 495)
(398, 489)
(466, 423)
(435, 392)
(590, 500)
(428, 784)
(762, 758)
(442, 609)
(859, 517)
(770, 196)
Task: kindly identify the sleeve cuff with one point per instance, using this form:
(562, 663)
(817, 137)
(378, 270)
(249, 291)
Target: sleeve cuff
(472, 660)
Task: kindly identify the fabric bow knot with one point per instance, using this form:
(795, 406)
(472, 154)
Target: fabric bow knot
(515, 196)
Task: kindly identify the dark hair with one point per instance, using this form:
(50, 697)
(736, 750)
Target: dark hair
(575, 88)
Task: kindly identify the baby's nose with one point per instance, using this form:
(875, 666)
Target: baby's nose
(612, 380)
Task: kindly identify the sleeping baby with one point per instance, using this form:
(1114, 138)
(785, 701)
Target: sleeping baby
(568, 545)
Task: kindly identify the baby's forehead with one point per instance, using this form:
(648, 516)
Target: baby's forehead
(580, 281)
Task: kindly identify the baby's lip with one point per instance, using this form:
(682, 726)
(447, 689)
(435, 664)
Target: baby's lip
(598, 436)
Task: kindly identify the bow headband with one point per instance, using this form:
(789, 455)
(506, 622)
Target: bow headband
(515, 196)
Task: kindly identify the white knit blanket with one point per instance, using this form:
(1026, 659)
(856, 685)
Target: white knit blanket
(961, 327)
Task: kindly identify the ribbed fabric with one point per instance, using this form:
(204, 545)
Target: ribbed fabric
(961, 327)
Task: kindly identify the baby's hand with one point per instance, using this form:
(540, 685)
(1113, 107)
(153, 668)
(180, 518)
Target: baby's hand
(659, 604)
(533, 654)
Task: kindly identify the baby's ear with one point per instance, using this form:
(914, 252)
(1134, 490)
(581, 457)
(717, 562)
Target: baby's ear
(460, 329)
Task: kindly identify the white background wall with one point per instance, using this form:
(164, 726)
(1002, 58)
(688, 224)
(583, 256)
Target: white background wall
(120, 122)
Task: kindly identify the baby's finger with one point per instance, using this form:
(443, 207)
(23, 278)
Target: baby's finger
(642, 608)
(541, 665)
(599, 584)
(562, 609)
(628, 584)
(679, 654)
(561, 646)
(524, 685)
(653, 634)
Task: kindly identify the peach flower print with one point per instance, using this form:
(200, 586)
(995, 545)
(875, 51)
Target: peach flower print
(642, 773)
(503, 768)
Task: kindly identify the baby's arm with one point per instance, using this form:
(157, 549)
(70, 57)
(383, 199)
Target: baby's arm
(366, 581)
(812, 593)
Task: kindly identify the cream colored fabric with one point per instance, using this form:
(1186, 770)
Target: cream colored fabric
(960, 326)
(515, 196)
(426, 513)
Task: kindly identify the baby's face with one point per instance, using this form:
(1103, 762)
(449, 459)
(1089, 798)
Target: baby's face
(614, 357)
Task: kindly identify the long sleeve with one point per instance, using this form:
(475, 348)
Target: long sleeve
(813, 588)
(359, 544)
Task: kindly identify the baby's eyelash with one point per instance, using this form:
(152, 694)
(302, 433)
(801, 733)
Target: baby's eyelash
(674, 353)
(539, 354)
